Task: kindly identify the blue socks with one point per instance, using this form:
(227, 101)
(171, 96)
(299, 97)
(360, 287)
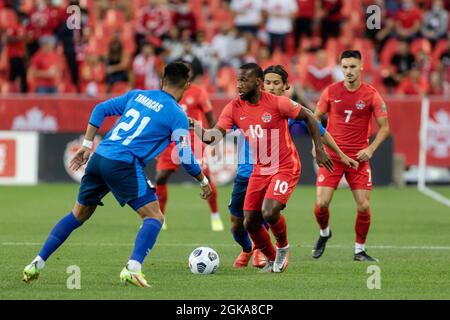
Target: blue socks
(145, 239)
(58, 235)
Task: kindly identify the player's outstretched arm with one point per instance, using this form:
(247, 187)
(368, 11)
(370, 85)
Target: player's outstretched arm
(328, 140)
(208, 136)
(322, 157)
(367, 153)
(82, 155)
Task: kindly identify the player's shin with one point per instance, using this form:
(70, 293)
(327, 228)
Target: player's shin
(243, 239)
(362, 226)
(322, 217)
(161, 192)
(279, 230)
(57, 236)
(261, 239)
(145, 241)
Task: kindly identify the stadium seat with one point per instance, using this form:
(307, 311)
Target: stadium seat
(226, 80)
(421, 44)
(439, 49)
(389, 49)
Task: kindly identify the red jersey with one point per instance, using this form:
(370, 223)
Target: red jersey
(306, 8)
(407, 18)
(195, 102)
(265, 126)
(349, 115)
(44, 61)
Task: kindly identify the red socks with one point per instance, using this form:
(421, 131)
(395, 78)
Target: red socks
(212, 200)
(322, 216)
(261, 240)
(362, 226)
(161, 192)
(279, 231)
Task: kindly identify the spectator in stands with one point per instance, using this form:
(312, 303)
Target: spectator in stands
(45, 70)
(304, 20)
(147, 67)
(401, 64)
(413, 84)
(172, 44)
(435, 22)
(189, 56)
(280, 15)
(221, 50)
(153, 21)
(202, 49)
(15, 48)
(408, 21)
(331, 19)
(443, 69)
(320, 74)
(380, 36)
(92, 75)
(184, 18)
(44, 20)
(248, 15)
(117, 62)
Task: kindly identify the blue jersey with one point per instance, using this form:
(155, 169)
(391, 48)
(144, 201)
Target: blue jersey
(149, 121)
(245, 159)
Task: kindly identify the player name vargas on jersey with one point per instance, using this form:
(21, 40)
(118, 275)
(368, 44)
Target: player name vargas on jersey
(149, 103)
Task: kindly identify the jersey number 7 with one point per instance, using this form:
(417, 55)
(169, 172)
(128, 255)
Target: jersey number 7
(127, 126)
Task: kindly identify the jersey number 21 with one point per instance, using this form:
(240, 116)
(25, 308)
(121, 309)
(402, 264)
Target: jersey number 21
(127, 126)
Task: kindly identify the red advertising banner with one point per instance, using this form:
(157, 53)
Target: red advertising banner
(7, 158)
(57, 114)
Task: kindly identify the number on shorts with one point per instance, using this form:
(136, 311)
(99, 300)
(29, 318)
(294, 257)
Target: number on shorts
(127, 126)
(349, 114)
(281, 186)
(370, 175)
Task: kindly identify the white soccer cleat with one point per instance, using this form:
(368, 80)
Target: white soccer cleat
(281, 259)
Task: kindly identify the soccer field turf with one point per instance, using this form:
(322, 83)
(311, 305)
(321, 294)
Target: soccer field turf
(410, 234)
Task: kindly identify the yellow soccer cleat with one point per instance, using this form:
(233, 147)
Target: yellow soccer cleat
(134, 278)
(31, 272)
(216, 224)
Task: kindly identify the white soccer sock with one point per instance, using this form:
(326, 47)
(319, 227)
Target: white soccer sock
(40, 262)
(325, 232)
(359, 247)
(134, 266)
(215, 215)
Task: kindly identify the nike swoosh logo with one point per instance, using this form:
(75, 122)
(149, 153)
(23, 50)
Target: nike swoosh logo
(242, 118)
(337, 101)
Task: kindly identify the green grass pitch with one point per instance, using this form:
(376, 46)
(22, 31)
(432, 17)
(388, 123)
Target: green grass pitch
(410, 234)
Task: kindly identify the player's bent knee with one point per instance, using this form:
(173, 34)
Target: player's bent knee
(363, 207)
(237, 224)
(322, 203)
(83, 212)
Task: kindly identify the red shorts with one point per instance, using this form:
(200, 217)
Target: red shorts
(278, 187)
(357, 179)
(169, 160)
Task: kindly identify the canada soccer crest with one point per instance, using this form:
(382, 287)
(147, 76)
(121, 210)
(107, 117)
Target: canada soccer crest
(266, 117)
(360, 105)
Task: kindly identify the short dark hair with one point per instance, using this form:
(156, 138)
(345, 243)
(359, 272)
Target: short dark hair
(255, 68)
(279, 70)
(176, 73)
(351, 54)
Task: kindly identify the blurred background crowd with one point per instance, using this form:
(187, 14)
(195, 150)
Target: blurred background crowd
(124, 44)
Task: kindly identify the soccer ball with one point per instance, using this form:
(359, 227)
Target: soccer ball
(203, 260)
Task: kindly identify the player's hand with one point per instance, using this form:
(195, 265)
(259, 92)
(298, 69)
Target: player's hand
(365, 154)
(206, 191)
(191, 123)
(349, 162)
(80, 158)
(323, 159)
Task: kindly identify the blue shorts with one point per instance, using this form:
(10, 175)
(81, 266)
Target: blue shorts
(236, 205)
(126, 181)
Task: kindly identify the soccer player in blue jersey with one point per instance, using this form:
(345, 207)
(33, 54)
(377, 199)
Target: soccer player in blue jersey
(149, 121)
(275, 82)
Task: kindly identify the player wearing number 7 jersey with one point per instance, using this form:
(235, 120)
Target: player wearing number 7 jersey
(150, 121)
(263, 119)
(350, 105)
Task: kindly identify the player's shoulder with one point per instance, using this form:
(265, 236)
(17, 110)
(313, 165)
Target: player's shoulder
(369, 89)
(334, 88)
(272, 100)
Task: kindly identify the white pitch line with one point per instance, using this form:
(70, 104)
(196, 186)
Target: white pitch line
(106, 244)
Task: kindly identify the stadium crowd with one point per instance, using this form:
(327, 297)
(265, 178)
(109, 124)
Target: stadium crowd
(119, 44)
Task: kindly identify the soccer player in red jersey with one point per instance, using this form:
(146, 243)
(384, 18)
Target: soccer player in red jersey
(350, 105)
(196, 104)
(263, 119)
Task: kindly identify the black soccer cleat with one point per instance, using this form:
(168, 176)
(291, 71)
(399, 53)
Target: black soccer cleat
(319, 248)
(363, 256)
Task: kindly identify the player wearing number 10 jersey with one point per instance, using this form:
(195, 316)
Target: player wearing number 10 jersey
(263, 119)
(149, 121)
(350, 105)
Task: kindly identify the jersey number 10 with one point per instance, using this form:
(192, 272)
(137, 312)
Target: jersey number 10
(127, 126)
